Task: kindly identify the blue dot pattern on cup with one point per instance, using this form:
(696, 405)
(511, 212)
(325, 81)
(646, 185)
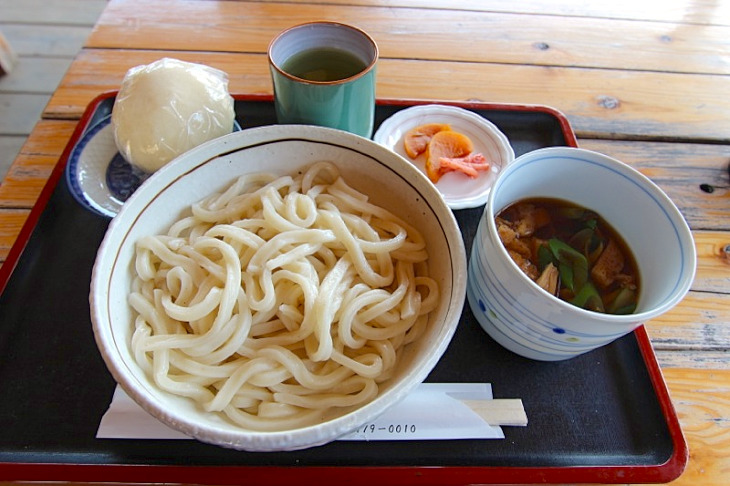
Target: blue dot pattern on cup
(512, 324)
(503, 318)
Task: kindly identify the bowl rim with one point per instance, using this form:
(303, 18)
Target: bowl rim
(243, 439)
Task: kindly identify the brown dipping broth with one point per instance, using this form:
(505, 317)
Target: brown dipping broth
(591, 265)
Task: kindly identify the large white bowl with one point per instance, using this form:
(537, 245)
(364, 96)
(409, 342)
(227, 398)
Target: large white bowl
(526, 319)
(388, 179)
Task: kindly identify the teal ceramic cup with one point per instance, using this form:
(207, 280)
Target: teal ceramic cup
(324, 74)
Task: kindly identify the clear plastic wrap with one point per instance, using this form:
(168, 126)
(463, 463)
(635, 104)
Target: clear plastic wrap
(168, 107)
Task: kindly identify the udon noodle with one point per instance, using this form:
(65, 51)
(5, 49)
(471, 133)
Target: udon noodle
(280, 300)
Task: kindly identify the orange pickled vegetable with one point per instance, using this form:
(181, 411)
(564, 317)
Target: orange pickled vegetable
(469, 164)
(445, 144)
(417, 139)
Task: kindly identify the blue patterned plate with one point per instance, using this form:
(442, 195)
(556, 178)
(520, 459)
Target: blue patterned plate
(97, 175)
(99, 178)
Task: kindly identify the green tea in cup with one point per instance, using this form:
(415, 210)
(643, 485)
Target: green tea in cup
(324, 64)
(323, 73)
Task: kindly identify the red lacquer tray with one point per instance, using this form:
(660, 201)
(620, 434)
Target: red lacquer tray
(604, 417)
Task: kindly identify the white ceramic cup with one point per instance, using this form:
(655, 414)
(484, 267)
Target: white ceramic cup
(526, 319)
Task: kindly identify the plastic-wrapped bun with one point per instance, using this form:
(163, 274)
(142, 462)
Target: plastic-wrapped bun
(168, 107)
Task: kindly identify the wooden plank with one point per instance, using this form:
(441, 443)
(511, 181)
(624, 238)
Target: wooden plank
(34, 75)
(693, 359)
(599, 103)
(27, 177)
(49, 137)
(77, 12)
(9, 148)
(46, 40)
(26, 110)
(713, 261)
(33, 159)
(11, 222)
(704, 12)
(434, 34)
(699, 323)
(702, 401)
(680, 170)
(23, 184)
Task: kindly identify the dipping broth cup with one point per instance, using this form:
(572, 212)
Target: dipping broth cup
(529, 321)
(323, 74)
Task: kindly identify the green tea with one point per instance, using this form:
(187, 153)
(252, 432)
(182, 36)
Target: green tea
(323, 64)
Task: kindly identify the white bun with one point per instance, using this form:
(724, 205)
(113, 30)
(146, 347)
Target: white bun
(168, 107)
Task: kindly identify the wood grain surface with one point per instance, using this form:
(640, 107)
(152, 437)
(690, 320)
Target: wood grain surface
(599, 103)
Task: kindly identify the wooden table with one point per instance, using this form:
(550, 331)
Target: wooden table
(647, 84)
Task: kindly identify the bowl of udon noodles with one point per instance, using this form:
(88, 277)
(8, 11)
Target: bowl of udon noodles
(278, 287)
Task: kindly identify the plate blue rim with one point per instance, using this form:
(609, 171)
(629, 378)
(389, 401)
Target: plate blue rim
(73, 164)
(72, 167)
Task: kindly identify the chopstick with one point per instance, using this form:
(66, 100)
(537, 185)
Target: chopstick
(502, 411)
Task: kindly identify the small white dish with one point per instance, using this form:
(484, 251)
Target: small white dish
(459, 190)
(97, 175)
